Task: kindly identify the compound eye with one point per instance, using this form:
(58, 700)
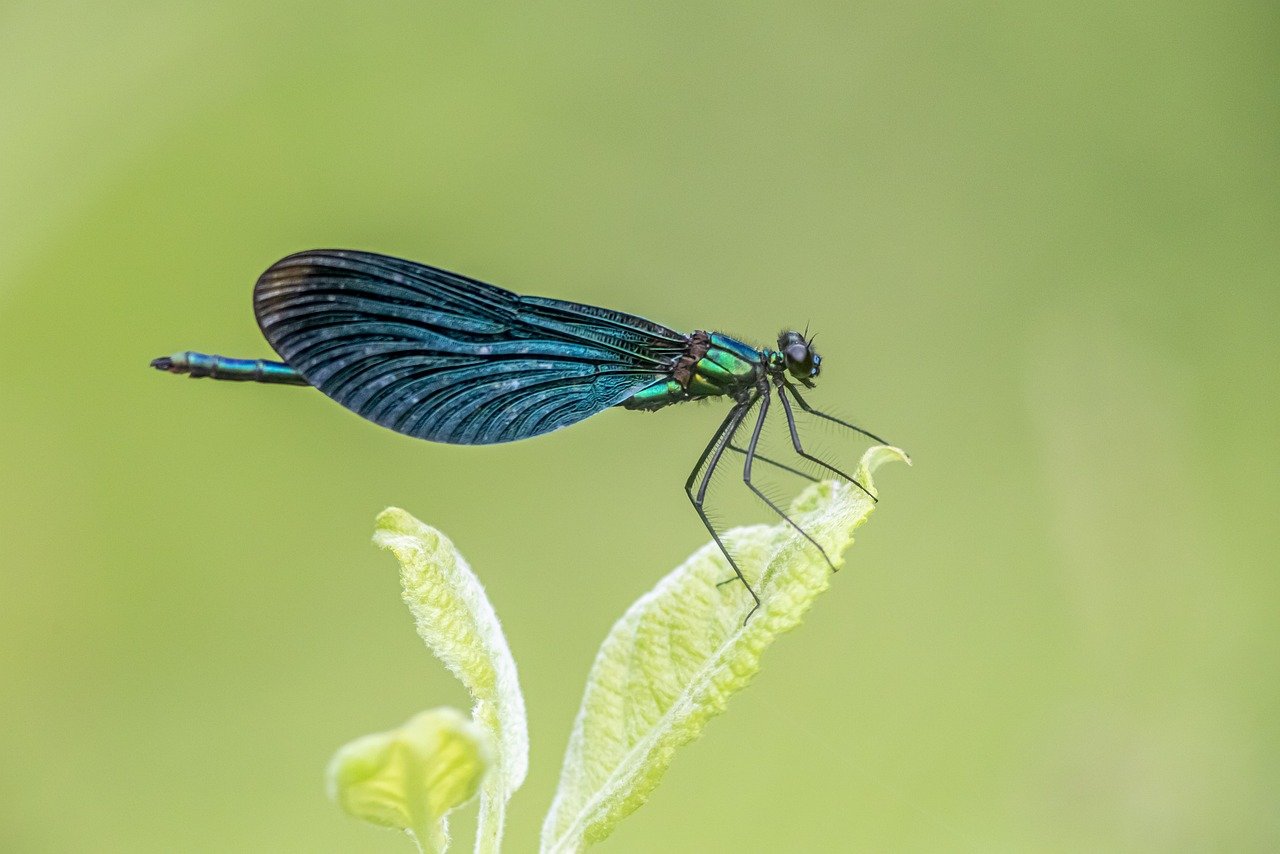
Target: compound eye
(798, 353)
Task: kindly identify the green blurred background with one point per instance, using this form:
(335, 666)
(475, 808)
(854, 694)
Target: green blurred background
(1038, 243)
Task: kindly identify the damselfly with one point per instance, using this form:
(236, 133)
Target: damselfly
(442, 357)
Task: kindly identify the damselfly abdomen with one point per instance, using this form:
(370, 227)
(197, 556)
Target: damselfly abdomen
(439, 356)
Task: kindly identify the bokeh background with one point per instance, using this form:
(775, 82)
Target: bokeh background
(1038, 243)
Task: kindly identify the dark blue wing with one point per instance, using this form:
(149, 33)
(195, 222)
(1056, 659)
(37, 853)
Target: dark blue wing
(439, 356)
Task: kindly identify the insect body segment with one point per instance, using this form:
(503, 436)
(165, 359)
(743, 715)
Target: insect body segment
(198, 365)
(714, 365)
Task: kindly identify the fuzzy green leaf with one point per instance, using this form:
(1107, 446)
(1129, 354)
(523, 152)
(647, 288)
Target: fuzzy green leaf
(673, 660)
(412, 777)
(455, 619)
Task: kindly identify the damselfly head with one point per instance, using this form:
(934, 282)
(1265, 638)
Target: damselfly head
(803, 362)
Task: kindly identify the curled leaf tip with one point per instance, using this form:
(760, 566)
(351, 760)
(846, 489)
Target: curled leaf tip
(878, 455)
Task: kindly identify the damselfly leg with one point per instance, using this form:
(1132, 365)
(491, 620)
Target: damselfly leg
(763, 459)
(746, 478)
(809, 409)
(707, 464)
(723, 440)
(795, 434)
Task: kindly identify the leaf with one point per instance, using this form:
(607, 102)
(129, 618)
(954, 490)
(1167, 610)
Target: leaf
(412, 777)
(673, 660)
(454, 617)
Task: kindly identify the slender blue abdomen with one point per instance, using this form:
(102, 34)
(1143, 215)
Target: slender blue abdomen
(197, 365)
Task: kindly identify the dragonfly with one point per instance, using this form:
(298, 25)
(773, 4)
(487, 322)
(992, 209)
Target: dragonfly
(443, 357)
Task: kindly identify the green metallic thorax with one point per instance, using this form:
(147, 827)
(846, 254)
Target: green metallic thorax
(714, 365)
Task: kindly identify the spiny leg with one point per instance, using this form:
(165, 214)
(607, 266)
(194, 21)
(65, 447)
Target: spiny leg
(795, 441)
(809, 409)
(715, 450)
(762, 458)
(746, 478)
